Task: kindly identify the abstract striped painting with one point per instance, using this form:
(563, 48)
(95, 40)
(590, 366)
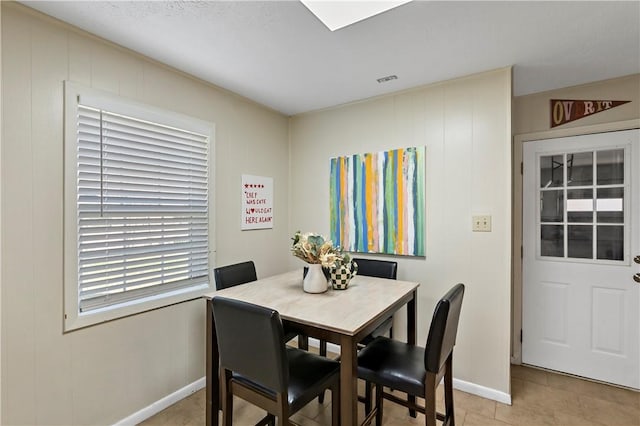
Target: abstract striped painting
(377, 202)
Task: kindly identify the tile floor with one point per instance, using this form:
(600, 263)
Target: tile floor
(539, 398)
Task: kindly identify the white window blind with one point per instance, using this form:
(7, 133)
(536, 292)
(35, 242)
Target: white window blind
(142, 208)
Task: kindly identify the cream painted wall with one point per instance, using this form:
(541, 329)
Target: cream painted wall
(1, 378)
(104, 373)
(465, 125)
(531, 118)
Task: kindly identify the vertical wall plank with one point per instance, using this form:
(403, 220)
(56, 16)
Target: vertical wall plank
(18, 313)
(104, 68)
(1, 357)
(457, 178)
(79, 58)
(437, 212)
(130, 75)
(49, 67)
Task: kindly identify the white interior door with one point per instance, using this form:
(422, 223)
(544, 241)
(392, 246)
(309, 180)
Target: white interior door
(581, 254)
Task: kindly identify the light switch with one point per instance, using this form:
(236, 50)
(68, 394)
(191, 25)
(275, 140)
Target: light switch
(481, 224)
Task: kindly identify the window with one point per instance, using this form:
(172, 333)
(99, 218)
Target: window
(137, 226)
(583, 207)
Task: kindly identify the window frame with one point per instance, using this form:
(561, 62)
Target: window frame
(626, 224)
(74, 94)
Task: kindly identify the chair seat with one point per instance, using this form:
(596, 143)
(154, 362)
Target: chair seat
(393, 364)
(309, 374)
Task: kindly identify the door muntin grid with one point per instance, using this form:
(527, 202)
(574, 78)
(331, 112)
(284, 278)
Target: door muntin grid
(583, 202)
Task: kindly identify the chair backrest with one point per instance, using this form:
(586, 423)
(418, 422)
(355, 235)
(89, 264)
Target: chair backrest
(443, 329)
(236, 274)
(377, 268)
(251, 342)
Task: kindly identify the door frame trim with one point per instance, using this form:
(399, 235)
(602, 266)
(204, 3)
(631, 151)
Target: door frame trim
(516, 213)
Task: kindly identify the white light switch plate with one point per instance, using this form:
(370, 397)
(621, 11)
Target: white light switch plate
(481, 224)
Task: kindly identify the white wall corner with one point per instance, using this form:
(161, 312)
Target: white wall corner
(482, 391)
(161, 404)
(1, 149)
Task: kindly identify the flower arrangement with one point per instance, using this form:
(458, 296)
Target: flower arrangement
(314, 248)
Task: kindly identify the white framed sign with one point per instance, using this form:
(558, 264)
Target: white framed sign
(257, 202)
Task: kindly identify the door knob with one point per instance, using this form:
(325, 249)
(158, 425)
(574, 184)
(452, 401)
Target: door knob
(636, 278)
(636, 259)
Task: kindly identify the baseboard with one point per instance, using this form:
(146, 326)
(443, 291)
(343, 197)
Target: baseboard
(331, 347)
(163, 403)
(191, 388)
(482, 391)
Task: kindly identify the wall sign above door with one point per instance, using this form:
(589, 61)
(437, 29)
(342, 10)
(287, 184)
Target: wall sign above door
(566, 110)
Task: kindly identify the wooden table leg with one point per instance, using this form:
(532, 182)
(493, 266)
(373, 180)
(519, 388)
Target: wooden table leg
(411, 335)
(348, 382)
(212, 378)
(303, 342)
(411, 318)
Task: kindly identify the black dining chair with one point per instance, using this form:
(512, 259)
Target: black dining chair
(236, 274)
(377, 268)
(414, 369)
(380, 269)
(257, 366)
(242, 273)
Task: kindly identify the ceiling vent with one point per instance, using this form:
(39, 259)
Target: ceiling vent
(387, 78)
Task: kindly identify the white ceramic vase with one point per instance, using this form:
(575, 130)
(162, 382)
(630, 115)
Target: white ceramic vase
(315, 281)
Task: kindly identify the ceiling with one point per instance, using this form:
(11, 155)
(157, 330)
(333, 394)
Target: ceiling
(279, 54)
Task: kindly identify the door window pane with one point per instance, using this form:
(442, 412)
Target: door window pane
(610, 242)
(551, 171)
(552, 240)
(580, 241)
(551, 206)
(610, 167)
(580, 205)
(610, 205)
(580, 169)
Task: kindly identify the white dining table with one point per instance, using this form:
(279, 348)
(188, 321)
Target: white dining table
(342, 317)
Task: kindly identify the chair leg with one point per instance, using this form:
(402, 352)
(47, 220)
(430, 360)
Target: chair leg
(379, 404)
(368, 390)
(283, 409)
(430, 399)
(323, 352)
(335, 405)
(227, 411)
(448, 391)
(412, 400)
(268, 420)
